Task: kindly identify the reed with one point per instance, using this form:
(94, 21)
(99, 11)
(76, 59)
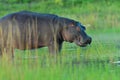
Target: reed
(95, 62)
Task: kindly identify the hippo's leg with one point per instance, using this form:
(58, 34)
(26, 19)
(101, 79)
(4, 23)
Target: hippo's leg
(7, 52)
(55, 48)
(0, 52)
(60, 47)
(10, 52)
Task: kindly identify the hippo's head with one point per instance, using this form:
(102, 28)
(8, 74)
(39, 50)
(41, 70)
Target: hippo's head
(75, 32)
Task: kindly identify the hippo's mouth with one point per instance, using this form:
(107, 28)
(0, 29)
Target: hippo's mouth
(80, 43)
(83, 43)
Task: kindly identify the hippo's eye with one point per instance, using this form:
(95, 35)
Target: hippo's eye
(77, 28)
(71, 25)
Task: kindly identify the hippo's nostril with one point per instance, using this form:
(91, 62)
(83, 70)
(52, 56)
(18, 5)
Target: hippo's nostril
(89, 40)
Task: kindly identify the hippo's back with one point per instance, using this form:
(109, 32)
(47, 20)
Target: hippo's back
(28, 28)
(23, 16)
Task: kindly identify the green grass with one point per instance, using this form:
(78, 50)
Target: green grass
(94, 62)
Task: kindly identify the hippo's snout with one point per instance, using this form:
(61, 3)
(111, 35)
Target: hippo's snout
(88, 40)
(84, 42)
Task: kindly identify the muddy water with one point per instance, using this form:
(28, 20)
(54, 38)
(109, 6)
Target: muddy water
(105, 49)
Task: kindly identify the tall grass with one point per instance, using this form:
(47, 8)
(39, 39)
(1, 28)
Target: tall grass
(95, 62)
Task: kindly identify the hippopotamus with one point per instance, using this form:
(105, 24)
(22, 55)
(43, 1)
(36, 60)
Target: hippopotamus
(30, 30)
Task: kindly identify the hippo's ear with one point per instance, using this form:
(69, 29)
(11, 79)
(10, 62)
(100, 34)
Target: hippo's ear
(81, 26)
